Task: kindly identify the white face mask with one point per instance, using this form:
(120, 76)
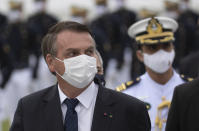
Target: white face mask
(120, 4)
(184, 6)
(39, 6)
(14, 16)
(171, 14)
(78, 19)
(100, 10)
(160, 61)
(79, 70)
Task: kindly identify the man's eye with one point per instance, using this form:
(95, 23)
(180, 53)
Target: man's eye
(72, 54)
(166, 46)
(153, 47)
(90, 52)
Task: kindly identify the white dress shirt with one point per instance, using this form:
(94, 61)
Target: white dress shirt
(85, 107)
(152, 92)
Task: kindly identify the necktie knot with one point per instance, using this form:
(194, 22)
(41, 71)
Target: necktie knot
(71, 103)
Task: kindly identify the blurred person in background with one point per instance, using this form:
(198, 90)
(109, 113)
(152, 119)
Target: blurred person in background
(100, 69)
(6, 65)
(99, 77)
(171, 9)
(37, 26)
(188, 20)
(16, 35)
(122, 18)
(23, 39)
(154, 37)
(109, 30)
(14, 51)
(16, 57)
(102, 30)
(6, 68)
(189, 65)
(79, 14)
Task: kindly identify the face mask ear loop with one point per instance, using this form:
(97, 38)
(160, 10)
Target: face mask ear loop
(59, 75)
(58, 59)
(56, 71)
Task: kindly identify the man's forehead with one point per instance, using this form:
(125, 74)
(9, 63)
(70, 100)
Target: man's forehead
(72, 39)
(71, 33)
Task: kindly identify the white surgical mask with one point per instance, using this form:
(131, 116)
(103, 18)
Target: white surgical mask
(79, 70)
(14, 16)
(78, 19)
(39, 6)
(101, 9)
(160, 61)
(183, 6)
(120, 4)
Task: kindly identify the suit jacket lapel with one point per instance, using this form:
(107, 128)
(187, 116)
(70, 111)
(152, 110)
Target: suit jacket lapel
(52, 111)
(103, 113)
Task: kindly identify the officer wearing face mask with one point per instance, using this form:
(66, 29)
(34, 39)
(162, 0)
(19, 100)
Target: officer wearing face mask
(154, 37)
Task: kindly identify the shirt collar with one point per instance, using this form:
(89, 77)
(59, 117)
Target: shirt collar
(62, 96)
(85, 98)
(152, 81)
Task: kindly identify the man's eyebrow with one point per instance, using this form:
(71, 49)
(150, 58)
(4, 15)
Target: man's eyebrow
(91, 47)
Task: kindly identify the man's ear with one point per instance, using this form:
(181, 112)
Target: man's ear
(50, 62)
(140, 55)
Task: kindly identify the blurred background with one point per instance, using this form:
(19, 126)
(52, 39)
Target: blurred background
(23, 23)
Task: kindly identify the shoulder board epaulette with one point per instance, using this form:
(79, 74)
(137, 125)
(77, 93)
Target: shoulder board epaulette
(185, 78)
(128, 84)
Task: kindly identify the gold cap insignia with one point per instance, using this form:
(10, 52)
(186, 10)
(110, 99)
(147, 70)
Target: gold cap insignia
(154, 26)
(155, 34)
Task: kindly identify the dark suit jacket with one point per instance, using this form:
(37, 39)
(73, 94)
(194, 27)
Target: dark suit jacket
(41, 111)
(184, 111)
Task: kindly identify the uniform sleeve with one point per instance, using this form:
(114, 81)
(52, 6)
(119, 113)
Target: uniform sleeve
(17, 124)
(172, 120)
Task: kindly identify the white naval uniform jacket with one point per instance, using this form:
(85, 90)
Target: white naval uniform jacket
(152, 92)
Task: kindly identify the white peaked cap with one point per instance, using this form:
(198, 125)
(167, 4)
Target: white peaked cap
(141, 26)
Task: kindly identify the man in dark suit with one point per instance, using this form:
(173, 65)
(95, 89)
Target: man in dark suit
(184, 111)
(76, 103)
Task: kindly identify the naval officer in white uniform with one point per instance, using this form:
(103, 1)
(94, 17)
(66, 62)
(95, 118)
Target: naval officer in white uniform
(154, 38)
